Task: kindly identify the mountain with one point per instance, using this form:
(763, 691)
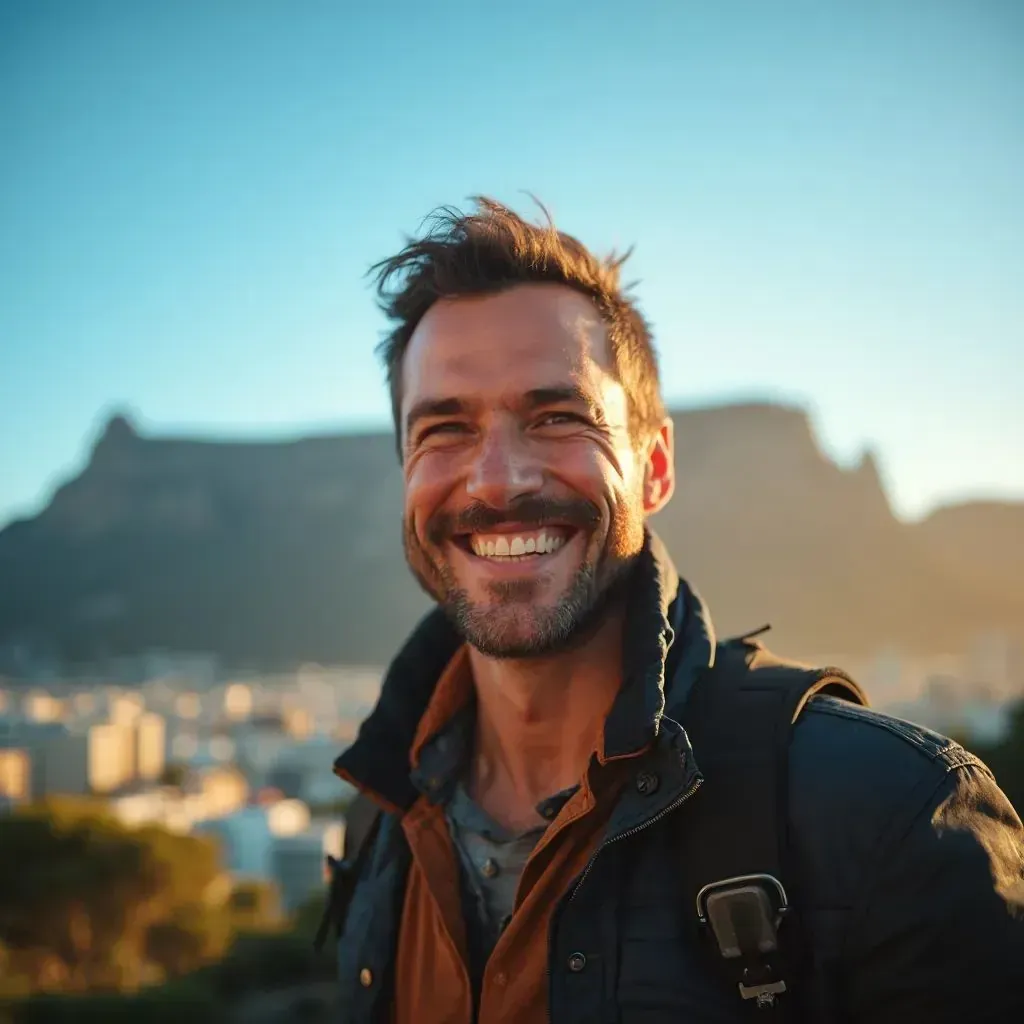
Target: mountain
(270, 554)
(982, 540)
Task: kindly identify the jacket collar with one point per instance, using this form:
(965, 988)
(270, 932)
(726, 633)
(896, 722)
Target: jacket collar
(668, 635)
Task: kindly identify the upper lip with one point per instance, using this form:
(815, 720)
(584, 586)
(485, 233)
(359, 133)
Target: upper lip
(514, 528)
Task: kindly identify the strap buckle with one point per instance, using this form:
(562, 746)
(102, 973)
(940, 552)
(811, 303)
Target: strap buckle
(744, 914)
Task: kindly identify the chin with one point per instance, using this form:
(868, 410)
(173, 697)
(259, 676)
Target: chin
(520, 628)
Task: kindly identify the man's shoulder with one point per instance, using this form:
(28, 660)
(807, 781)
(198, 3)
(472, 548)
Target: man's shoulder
(856, 738)
(860, 782)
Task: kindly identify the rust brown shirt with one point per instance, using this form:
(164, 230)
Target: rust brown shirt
(432, 977)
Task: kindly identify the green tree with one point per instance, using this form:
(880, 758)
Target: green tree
(174, 774)
(255, 906)
(87, 904)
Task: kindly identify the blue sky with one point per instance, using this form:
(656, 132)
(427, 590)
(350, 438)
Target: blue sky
(825, 200)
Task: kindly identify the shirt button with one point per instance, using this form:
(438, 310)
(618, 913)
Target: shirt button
(500, 978)
(576, 962)
(489, 868)
(548, 812)
(646, 783)
(366, 977)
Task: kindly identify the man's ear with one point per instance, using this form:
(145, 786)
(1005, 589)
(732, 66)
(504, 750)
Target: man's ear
(659, 469)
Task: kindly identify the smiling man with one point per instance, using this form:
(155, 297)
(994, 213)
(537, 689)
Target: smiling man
(582, 807)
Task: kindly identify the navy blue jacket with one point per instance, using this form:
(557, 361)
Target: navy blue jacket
(910, 859)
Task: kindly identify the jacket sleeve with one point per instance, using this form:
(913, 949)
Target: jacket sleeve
(940, 934)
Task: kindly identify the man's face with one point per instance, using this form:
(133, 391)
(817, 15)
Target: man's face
(525, 495)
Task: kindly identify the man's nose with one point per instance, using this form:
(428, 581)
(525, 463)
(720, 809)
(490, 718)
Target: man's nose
(503, 469)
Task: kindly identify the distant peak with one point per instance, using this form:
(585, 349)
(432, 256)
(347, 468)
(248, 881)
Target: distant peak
(867, 466)
(119, 427)
(118, 434)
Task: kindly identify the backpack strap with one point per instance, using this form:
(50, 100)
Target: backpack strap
(736, 868)
(362, 819)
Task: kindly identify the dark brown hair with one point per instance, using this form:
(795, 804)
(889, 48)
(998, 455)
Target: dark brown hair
(492, 249)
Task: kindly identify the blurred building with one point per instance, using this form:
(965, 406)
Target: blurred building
(298, 863)
(246, 836)
(99, 759)
(306, 770)
(260, 744)
(222, 790)
(34, 738)
(150, 735)
(245, 840)
(40, 706)
(15, 777)
(164, 807)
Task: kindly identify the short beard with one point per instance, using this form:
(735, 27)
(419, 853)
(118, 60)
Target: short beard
(549, 631)
(532, 632)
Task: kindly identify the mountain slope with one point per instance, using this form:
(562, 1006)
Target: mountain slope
(270, 554)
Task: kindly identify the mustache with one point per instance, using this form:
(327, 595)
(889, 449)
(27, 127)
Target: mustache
(530, 511)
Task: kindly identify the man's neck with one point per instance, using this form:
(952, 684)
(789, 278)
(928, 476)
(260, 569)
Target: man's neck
(538, 722)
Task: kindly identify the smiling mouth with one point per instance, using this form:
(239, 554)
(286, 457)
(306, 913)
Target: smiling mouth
(519, 546)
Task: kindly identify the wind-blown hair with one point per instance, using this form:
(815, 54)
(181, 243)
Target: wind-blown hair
(493, 249)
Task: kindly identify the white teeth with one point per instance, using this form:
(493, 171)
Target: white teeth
(515, 547)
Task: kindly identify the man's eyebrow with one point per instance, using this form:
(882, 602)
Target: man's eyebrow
(428, 407)
(565, 394)
(559, 395)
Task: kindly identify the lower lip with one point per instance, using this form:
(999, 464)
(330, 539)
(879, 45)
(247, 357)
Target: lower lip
(507, 569)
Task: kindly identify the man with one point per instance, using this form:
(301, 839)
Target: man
(542, 802)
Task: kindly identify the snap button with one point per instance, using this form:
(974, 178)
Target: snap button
(366, 977)
(489, 868)
(646, 783)
(577, 961)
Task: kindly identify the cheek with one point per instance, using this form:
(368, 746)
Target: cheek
(427, 485)
(587, 467)
(615, 480)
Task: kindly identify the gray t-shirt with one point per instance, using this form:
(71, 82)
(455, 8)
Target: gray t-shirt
(493, 857)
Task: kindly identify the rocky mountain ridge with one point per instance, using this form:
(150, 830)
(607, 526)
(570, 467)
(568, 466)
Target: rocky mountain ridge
(273, 553)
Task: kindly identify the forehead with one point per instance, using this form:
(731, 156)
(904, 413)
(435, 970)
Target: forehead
(526, 337)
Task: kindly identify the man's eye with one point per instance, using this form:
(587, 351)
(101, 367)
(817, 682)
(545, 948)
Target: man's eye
(557, 419)
(442, 428)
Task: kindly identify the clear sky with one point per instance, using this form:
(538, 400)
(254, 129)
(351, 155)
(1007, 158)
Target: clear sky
(826, 199)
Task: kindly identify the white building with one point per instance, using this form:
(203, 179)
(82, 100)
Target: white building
(98, 759)
(15, 777)
(149, 733)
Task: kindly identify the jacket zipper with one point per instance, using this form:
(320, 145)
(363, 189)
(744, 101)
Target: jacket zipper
(633, 831)
(678, 802)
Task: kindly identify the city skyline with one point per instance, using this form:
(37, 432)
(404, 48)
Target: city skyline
(825, 208)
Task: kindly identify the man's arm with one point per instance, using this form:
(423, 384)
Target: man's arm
(940, 936)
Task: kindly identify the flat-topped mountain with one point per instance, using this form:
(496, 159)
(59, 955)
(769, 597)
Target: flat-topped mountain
(270, 554)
